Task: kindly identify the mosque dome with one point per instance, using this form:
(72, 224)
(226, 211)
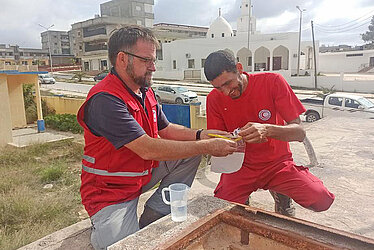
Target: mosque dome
(219, 28)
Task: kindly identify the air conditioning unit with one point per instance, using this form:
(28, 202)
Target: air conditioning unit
(188, 55)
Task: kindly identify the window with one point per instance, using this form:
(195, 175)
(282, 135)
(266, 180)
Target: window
(223, 34)
(336, 101)
(212, 35)
(249, 61)
(350, 103)
(138, 8)
(139, 22)
(174, 64)
(203, 62)
(24, 63)
(350, 55)
(191, 63)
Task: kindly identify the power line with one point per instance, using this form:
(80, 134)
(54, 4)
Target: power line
(341, 31)
(363, 22)
(330, 26)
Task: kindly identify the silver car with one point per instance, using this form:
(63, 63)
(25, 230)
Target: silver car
(174, 94)
(46, 78)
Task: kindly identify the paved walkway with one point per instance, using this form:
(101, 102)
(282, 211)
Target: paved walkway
(28, 136)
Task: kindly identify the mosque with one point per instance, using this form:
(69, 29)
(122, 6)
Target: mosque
(276, 52)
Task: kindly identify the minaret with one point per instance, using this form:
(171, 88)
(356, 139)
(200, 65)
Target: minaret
(246, 21)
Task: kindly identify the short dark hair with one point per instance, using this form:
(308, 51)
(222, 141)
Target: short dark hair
(125, 38)
(219, 62)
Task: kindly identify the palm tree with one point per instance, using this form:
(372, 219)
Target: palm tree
(79, 75)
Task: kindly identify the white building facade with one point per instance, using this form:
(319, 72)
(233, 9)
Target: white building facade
(347, 61)
(184, 59)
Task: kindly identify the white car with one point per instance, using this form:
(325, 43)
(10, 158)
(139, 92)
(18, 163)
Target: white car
(174, 94)
(46, 78)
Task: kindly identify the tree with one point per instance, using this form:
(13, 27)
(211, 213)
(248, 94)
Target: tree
(368, 36)
(79, 75)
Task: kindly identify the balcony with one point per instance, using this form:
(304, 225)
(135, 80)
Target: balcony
(20, 68)
(95, 47)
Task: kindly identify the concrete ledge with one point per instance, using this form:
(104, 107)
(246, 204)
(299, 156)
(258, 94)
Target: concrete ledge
(76, 236)
(165, 229)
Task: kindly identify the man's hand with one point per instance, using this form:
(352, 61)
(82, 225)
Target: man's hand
(220, 147)
(254, 132)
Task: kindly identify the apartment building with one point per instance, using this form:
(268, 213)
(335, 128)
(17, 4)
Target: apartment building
(59, 42)
(14, 55)
(89, 38)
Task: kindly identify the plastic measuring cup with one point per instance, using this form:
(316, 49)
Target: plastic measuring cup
(178, 200)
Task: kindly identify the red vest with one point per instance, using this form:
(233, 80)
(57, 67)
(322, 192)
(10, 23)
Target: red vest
(110, 175)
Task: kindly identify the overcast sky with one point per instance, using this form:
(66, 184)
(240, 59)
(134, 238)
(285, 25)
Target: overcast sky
(336, 21)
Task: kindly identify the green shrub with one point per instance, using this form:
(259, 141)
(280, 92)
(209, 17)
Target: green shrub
(63, 122)
(30, 105)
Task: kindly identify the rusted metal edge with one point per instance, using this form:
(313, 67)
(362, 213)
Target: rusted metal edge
(257, 212)
(193, 231)
(288, 238)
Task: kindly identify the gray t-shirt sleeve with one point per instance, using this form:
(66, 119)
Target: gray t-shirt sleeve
(162, 121)
(108, 116)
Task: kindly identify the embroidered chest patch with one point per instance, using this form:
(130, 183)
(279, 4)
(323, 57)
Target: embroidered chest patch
(264, 114)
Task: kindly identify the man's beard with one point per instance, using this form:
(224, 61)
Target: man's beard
(239, 88)
(141, 81)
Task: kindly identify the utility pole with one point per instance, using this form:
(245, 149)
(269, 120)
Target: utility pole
(249, 32)
(49, 44)
(314, 57)
(249, 20)
(298, 51)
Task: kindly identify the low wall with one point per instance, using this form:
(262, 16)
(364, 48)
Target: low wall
(170, 75)
(335, 82)
(63, 105)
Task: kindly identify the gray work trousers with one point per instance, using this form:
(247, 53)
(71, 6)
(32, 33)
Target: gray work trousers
(115, 222)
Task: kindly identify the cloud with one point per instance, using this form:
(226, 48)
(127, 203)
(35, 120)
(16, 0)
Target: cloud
(20, 18)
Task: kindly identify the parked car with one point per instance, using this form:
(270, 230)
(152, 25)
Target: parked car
(338, 105)
(174, 94)
(100, 76)
(46, 78)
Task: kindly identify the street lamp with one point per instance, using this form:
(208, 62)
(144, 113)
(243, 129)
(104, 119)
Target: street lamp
(49, 43)
(298, 51)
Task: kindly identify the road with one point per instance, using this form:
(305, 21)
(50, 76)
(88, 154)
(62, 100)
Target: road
(81, 90)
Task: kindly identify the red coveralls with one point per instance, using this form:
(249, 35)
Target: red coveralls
(267, 99)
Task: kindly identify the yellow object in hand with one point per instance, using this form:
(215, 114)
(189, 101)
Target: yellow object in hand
(225, 137)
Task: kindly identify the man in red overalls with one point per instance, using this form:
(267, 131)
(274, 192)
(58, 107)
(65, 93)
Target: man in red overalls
(267, 111)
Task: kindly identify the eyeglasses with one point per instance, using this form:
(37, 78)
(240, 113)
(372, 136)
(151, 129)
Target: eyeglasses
(147, 60)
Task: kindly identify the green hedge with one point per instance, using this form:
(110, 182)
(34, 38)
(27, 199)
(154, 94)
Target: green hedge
(63, 122)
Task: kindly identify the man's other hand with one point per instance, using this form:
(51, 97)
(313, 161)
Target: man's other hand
(254, 132)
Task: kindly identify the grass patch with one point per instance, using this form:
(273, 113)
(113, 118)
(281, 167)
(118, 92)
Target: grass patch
(29, 212)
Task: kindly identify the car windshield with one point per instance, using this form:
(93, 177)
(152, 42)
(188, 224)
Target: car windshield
(46, 76)
(366, 102)
(181, 89)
